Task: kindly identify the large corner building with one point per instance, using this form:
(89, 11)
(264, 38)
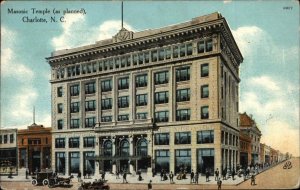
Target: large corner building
(157, 99)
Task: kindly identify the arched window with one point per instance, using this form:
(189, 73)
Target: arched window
(124, 148)
(142, 147)
(107, 148)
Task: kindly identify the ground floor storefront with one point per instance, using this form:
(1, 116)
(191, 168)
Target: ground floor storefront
(180, 149)
(8, 161)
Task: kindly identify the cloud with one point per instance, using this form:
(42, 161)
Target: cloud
(281, 136)
(227, 1)
(275, 107)
(11, 66)
(74, 34)
(17, 91)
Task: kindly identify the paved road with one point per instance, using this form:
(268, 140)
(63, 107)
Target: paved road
(274, 178)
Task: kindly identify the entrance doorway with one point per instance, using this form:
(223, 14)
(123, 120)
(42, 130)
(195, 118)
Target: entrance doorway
(124, 166)
(36, 161)
(206, 160)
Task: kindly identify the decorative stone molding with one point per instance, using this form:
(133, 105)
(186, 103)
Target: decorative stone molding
(123, 35)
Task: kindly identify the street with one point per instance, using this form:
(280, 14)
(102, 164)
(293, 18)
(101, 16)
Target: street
(274, 178)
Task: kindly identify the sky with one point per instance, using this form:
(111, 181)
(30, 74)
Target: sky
(267, 33)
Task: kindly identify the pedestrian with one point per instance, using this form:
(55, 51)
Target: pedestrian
(117, 175)
(224, 174)
(219, 182)
(124, 177)
(253, 179)
(192, 176)
(233, 174)
(161, 175)
(207, 175)
(217, 174)
(197, 178)
(79, 176)
(26, 173)
(150, 185)
(103, 176)
(171, 175)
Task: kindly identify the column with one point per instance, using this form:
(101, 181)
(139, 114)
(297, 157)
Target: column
(97, 153)
(150, 143)
(114, 166)
(131, 153)
(67, 163)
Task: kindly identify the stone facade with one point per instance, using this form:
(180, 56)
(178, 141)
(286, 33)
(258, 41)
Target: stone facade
(151, 100)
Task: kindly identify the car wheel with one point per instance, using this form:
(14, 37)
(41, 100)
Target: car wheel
(34, 182)
(45, 182)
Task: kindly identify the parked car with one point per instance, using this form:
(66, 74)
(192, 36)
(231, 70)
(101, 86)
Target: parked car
(41, 178)
(59, 181)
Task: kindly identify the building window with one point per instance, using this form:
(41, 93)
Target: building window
(141, 100)
(141, 115)
(135, 59)
(123, 83)
(106, 86)
(162, 116)
(204, 70)
(88, 142)
(90, 88)
(175, 51)
(141, 80)
(141, 58)
(74, 90)
(183, 95)
(205, 46)
(189, 48)
(59, 108)
(162, 139)
(89, 163)
(5, 139)
(74, 124)
(204, 91)
(59, 91)
(206, 160)
(124, 117)
(60, 163)
(161, 97)
(0, 139)
(106, 104)
(204, 112)
(183, 138)
(204, 137)
(11, 138)
(90, 122)
(162, 160)
(117, 62)
(74, 107)
(222, 137)
(183, 115)
(161, 54)
(168, 52)
(106, 118)
(74, 162)
(74, 142)
(161, 77)
(154, 55)
(60, 124)
(183, 160)
(142, 148)
(208, 45)
(124, 148)
(123, 102)
(107, 148)
(183, 74)
(90, 105)
(59, 143)
(182, 50)
(35, 141)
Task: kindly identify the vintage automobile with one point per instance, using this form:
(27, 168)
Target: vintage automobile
(96, 185)
(41, 178)
(59, 181)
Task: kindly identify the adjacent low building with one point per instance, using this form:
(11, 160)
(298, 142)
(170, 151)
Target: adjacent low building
(8, 151)
(249, 128)
(245, 150)
(34, 147)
